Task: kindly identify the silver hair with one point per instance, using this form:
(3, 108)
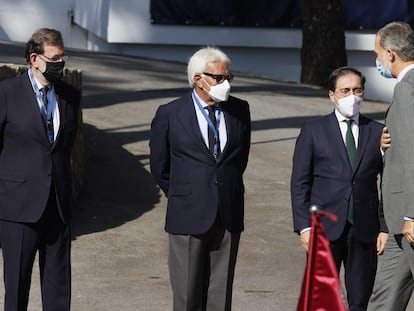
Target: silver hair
(399, 37)
(200, 59)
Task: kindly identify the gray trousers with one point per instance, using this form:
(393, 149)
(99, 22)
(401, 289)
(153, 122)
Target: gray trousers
(394, 281)
(202, 269)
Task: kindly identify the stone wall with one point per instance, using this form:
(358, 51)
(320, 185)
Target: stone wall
(74, 77)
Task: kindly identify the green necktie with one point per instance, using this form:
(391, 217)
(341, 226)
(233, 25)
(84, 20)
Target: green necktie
(351, 149)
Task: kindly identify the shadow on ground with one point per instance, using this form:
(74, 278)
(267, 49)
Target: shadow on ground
(117, 188)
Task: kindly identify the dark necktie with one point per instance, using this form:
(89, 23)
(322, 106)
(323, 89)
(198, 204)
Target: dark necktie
(350, 143)
(211, 140)
(48, 123)
(351, 149)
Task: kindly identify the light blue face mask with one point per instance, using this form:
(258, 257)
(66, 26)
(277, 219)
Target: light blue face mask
(386, 73)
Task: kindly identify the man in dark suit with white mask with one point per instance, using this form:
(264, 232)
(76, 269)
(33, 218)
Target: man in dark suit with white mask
(336, 165)
(199, 150)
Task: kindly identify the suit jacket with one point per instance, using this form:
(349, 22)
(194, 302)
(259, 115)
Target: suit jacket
(196, 184)
(398, 179)
(322, 175)
(28, 164)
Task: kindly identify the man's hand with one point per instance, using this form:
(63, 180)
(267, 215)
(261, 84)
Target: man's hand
(385, 139)
(408, 231)
(304, 239)
(381, 241)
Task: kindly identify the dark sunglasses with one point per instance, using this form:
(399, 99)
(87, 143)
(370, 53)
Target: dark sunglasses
(220, 78)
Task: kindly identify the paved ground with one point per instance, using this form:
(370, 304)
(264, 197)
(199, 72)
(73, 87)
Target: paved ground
(119, 245)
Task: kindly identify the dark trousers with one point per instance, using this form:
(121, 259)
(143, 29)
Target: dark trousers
(202, 269)
(360, 263)
(20, 242)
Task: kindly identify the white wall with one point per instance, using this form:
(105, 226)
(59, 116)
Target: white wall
(19, 18)
(124, 27)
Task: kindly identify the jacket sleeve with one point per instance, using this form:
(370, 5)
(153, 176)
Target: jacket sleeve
(302, 179)
(247, 133)
(160, 149)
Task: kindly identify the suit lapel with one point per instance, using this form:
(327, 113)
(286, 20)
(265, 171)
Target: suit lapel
(388, 109)
(231, 127)
(192, 128)
(363, 138)
(334, 131)
(34, 110)
(62, 114)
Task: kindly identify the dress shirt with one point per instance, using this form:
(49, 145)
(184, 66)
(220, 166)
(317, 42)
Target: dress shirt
(202, 122)
(344, 127)
(404, 71)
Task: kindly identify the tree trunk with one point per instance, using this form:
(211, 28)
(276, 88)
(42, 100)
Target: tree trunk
(323, 43)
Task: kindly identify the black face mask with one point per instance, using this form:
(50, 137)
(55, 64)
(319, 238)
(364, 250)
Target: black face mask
(54, 71)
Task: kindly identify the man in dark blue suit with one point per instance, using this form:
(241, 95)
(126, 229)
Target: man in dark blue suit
(199, 150)
(336, 165)
(38, 121)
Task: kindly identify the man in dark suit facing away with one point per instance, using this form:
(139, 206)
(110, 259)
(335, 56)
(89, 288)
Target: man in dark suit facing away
(336, 165)
(199, 150)
(38, 120)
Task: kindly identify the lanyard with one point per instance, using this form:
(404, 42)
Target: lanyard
(209, 122)
(49, 111)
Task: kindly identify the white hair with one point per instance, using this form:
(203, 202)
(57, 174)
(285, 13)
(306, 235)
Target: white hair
(200, 59)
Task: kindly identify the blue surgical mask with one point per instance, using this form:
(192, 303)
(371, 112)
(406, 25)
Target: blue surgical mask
(386, 73)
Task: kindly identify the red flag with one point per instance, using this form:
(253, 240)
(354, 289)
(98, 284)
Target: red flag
(321, 288)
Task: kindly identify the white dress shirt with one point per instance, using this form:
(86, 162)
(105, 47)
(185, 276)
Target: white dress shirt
(202, 122)
(344, 127)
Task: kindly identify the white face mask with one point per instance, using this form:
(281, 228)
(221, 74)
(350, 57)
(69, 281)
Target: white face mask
(350, 105)
(220, 92)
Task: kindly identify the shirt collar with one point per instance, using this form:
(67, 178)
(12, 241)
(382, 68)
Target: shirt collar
(202, 102)
(341, 118)
(36, 85)
(404, 72)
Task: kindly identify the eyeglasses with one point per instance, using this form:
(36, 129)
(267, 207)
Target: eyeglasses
(220, 78)
(54, 59)
(347, 91)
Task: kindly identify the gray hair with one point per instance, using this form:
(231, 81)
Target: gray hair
(399, 37)
(200, 59)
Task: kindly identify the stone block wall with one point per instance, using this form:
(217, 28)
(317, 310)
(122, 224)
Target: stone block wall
(74, 77)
